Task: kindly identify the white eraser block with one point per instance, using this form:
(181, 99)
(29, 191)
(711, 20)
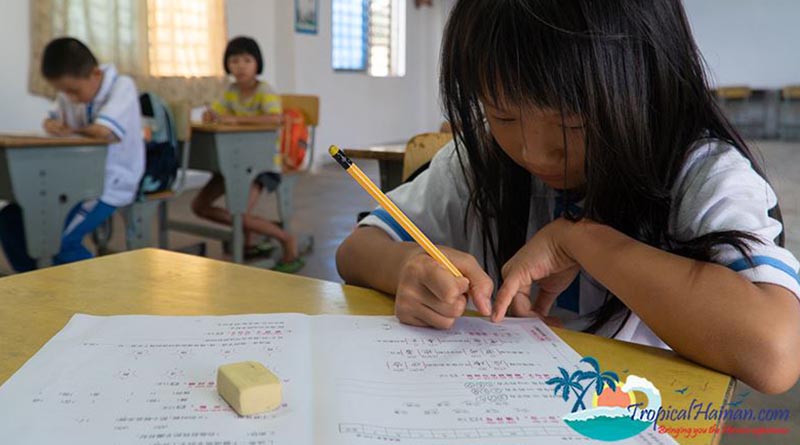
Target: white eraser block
(249, 387)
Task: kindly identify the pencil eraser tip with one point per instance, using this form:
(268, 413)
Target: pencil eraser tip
(333, 150)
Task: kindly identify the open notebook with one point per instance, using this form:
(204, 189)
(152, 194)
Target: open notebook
(346, 380)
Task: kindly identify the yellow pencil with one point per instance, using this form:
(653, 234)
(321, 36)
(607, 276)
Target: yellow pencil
(393, 210)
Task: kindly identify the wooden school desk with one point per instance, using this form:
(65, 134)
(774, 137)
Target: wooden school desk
(239, 153)
(47, 176)
(390, 162)
(38, 304)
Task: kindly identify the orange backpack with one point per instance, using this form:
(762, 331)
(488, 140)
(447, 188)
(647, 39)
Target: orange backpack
(294, 139)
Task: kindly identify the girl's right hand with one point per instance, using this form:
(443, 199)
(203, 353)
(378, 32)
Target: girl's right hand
(429, 295)
(210, 116)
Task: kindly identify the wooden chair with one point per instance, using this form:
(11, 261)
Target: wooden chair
(139, 215)
(421, 148)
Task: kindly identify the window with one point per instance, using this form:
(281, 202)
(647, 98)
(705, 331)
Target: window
(180, 37)
(369, 35)
(170, 47)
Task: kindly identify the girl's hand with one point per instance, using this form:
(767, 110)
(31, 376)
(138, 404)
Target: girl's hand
(56, 127)
(209, 116)
(542, 260)
(429, 295)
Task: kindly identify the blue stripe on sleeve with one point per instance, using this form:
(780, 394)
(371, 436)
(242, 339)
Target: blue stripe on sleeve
(384, 216)
(115, 124)
(761, 260)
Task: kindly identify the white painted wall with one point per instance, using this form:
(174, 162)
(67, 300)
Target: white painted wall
(750, 42)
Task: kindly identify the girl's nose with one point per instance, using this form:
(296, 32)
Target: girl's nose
(536, 149)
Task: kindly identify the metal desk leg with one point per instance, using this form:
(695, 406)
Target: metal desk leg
(47, 182)
(391, 174)
(241, 156)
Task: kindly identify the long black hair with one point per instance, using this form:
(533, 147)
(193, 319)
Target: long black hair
(629, 68)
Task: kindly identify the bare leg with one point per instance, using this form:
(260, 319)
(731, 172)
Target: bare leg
(202, 206)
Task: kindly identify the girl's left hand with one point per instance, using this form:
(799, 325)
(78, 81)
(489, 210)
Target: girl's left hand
(542, 260)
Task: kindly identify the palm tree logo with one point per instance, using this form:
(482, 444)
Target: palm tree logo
(571, 383)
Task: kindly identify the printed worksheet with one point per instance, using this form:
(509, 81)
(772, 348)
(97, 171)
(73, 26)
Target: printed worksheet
(346, 380)
(152, 380)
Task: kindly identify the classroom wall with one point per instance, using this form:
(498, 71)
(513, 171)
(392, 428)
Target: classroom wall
(357, 109)
(751, 42)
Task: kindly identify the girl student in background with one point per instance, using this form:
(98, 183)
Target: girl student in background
(248, 101)
(592, 178)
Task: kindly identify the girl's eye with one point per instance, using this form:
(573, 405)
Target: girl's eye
(504, 119)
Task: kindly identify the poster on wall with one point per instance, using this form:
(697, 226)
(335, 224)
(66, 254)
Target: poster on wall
(305, 16)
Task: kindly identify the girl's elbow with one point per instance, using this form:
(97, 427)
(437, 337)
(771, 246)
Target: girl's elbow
(342, 256)
(775, 368)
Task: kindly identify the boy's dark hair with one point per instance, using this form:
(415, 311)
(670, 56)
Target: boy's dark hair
(630, 69)
(67, 56)
(243, 45)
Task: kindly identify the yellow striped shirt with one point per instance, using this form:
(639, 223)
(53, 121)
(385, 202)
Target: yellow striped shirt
(263, 101)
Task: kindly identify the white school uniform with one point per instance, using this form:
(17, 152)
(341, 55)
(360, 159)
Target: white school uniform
(717, 189)
(116, 107)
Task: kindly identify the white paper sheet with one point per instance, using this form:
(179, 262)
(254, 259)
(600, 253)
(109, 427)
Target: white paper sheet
(346, 380)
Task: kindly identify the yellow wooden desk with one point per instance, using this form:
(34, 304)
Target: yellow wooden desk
(390, 162)
(36, 305)
(47, 176)
(239, 153)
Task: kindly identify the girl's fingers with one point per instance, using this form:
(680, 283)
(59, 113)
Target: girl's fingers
(442, 284)
(511, 286)
(431, 318)
(453, 309)
(521, 306)
(544, 301)
(480, 284)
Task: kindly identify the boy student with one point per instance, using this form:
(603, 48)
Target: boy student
(95, 101)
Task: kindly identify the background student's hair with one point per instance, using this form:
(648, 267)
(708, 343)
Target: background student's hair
(67, 56)
(630, 69)
(243, 45)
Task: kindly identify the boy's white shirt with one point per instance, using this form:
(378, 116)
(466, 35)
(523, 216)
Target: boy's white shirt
(717, 189)
(116, 107)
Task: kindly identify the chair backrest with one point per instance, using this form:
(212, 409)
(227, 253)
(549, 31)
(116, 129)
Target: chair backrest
(734, 92)
(791, 92)
(182, 111)
(309, 105)
(421, 148)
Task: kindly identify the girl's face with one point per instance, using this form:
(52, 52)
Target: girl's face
(243, 67)
(534, 139)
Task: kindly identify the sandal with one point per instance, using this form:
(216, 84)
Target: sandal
(289, 266)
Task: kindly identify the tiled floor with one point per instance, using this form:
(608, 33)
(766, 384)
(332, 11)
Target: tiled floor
(327, 203)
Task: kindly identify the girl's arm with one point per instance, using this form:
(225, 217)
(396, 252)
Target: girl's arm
(370, 258)
(426, 294)
(98, 131)
(704, 311)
